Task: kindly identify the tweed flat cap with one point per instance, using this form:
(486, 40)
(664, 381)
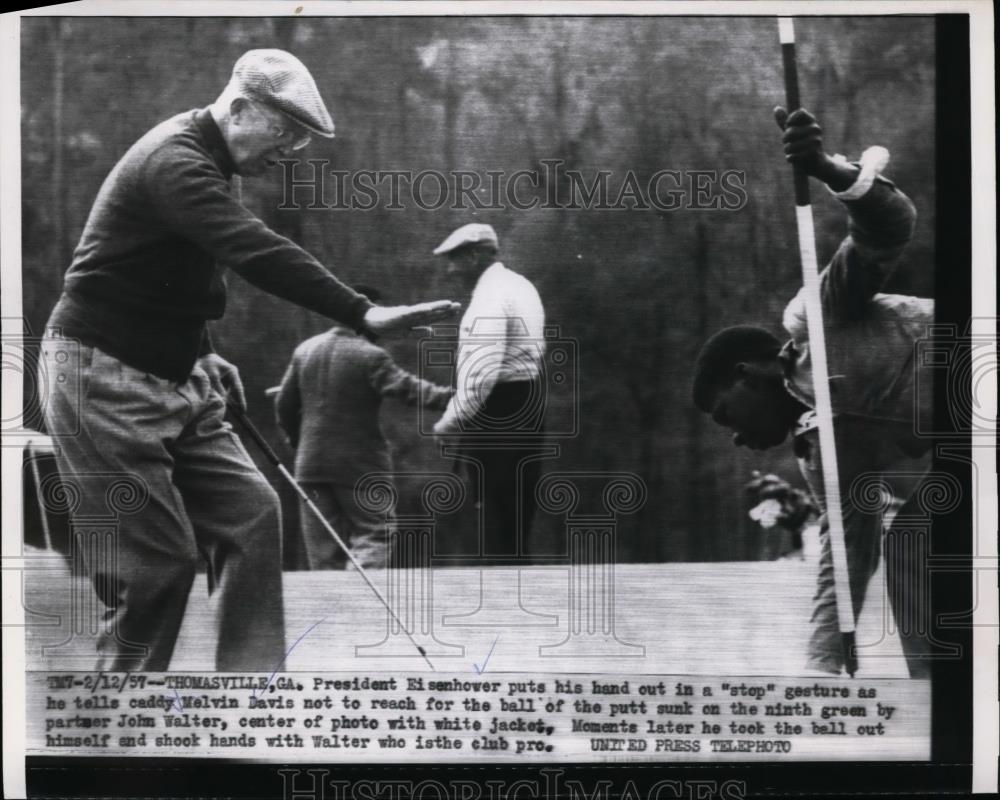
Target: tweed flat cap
(279, 80)
(473, 233)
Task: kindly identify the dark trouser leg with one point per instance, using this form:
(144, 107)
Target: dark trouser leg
(510, 476)
(501, 502)
(510, 473)
(531, 474)
(485, 470)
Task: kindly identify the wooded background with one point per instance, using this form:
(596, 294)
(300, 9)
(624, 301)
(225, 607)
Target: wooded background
(639, 291)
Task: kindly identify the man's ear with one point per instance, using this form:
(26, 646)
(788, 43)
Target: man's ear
(237, 108)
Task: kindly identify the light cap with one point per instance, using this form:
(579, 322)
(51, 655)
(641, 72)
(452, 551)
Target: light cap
(473, 233)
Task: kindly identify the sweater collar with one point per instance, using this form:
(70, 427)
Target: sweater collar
(214, 142)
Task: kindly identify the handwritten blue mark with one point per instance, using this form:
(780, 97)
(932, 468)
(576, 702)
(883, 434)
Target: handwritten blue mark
(481, 669)
(177, 702)
(288, 652)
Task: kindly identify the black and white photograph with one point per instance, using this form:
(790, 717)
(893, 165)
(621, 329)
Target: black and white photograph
(499, 400)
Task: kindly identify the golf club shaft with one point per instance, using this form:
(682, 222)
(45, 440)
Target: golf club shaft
(271, 456)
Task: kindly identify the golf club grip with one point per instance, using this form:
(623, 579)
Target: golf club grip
(248, 426)
(793, 103)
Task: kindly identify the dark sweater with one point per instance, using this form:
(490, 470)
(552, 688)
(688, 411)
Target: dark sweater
(148, 271)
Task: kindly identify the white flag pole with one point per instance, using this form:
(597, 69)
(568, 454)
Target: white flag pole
(817, 352)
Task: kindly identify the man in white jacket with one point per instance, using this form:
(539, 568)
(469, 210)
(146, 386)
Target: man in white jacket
(498, 410)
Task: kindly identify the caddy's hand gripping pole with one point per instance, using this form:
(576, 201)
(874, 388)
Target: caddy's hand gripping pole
(271, 456)
(817, 351)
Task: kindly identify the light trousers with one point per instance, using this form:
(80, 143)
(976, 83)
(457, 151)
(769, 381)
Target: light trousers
(362, 530)
(204, 498)
(860, 456)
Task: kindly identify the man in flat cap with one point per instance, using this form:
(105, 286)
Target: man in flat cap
(328, 406)
(497, 413)
(151, 393)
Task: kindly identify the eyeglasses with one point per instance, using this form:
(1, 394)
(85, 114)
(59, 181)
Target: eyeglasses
(298, 143)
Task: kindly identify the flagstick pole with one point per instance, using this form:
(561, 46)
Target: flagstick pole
(817, 352)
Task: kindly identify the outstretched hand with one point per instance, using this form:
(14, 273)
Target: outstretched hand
(386, 319)
(803, 140)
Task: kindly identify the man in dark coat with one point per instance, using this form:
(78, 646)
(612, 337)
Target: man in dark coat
(328, 406)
